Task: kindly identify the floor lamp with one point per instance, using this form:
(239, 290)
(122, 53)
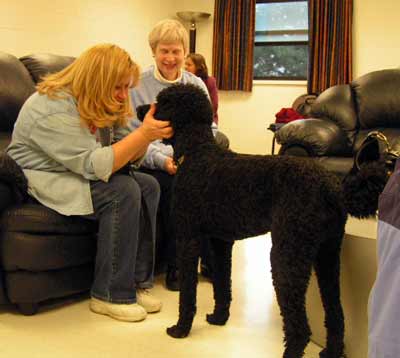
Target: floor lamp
(192, 17)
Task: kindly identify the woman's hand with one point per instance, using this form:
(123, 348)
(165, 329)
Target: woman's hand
(135, 144)
(154, 129)
(170, 166)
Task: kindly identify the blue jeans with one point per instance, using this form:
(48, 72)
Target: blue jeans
(126, 209)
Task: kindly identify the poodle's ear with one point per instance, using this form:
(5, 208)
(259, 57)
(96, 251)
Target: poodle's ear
(141, 111)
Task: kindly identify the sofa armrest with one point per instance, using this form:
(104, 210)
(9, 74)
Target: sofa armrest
(317, 136)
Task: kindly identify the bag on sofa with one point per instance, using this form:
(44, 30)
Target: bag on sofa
(373, 164)
(370, 151)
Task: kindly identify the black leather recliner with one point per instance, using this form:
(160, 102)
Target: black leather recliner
(342, 116)
(43, 254)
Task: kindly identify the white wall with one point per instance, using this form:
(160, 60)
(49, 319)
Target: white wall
(376, 35)
(70, 26)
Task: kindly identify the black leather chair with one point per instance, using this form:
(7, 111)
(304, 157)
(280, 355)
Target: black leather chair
(43, 254)
(341, 118)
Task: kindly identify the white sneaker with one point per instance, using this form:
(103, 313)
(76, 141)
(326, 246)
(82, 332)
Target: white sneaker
(145, 299)
(132, 312)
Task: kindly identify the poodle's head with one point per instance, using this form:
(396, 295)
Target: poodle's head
(184, 105)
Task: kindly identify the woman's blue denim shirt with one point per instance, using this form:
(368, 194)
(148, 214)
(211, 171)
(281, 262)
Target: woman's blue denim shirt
(59, 155)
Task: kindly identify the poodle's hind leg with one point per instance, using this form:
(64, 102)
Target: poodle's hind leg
(327, 269)
(291, 266)
(189, 254)
(221, 281)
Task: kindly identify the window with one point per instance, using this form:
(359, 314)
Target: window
(281, 40)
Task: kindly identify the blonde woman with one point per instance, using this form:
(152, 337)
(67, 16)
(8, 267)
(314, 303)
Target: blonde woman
(65, 141)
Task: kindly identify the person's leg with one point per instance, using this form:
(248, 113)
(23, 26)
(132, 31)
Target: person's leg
(150, 190)
(164, 215)
(117, 207)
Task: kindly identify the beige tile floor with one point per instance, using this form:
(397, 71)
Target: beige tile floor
(67, 329)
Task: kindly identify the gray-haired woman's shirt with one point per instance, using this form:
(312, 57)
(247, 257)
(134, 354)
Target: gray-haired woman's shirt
(59, 155)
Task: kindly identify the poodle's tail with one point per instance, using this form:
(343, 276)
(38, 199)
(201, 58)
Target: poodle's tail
(361, 189)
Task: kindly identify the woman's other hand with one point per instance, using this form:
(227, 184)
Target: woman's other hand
(170, 166)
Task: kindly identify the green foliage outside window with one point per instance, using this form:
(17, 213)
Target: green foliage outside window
(281, 39)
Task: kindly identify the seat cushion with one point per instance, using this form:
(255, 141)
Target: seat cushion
(35, 218)
(337, 165)
(43, 252)
(26, 286)
(36, 238)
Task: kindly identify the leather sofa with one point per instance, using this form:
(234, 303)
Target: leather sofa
(43, 255)
(342, 116)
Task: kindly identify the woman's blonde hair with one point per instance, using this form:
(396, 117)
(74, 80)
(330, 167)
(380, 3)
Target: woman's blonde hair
(91, 79)
(169, 31)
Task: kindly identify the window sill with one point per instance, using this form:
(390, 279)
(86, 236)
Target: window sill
(279, 83)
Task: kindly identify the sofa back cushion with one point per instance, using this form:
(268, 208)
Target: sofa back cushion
(336, 104)
(16, 86)
(42, 64)
(377, 97)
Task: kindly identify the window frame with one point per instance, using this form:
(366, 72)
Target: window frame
(280, 43)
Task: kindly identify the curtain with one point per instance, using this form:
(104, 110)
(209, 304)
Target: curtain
(233, 44)
(330, 39)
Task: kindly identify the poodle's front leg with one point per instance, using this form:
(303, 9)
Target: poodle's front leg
(221, 281)
(188, 262)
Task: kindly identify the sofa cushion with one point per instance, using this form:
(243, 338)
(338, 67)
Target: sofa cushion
(42, 252)
(35, 218)
(317, 136)
(16, 86)
(336, 104)
(42, 64)
(377, 97)
(25, 286)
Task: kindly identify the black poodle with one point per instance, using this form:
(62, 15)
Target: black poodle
(225, 196)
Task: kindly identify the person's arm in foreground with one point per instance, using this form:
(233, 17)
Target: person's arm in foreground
(134, 145)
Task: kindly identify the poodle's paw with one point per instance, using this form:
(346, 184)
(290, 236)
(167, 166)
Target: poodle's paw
(220, 315)
(217, 319)
(177, 332)
(325, 354)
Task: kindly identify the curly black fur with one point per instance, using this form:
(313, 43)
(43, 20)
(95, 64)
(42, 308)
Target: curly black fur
(361, 188)
(225, 196)
(13, 177)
